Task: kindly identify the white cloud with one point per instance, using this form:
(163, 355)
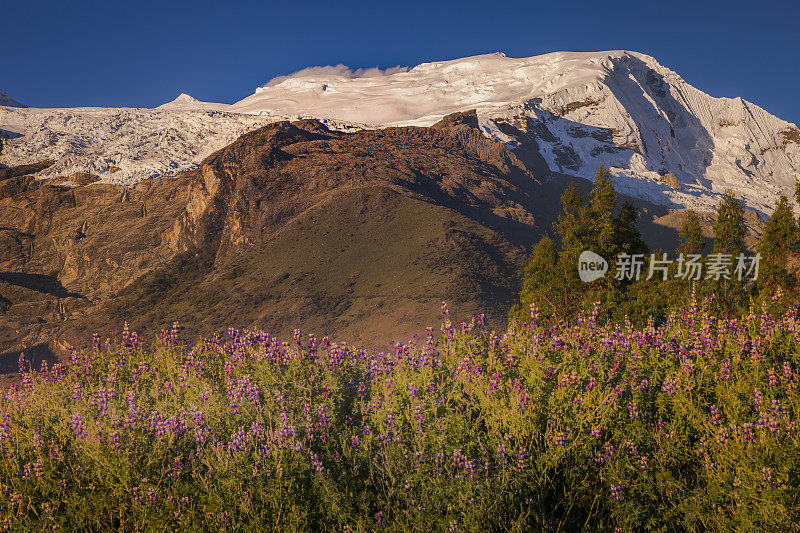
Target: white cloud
(337, 70)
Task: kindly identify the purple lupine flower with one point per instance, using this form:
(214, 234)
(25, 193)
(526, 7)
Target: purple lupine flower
(494, 382)
(390, 418)
(316, 464)
(670, 386)
(616, 492)
(774, 425)
(786, 373)
(418, 456)
(522, 459)
(256, 432)
(418, 415)
(564, 379)
(643, 464)
(748, 434)
(767, 476)
(723, 437)
(560, 439)
(32, 471)
(78, 428)
(54, 451)
(16, 500)
(37, 440)
(616, 393)
(772, 378)
(631, 448)
(380, 520)
(608, 452)
(595, 432)
(716, 416)
(177, 468)
(238, 441)
(534, 315)
(524, 398)
(758, 398)
(725, 369)
(412, 391)
(459, 460)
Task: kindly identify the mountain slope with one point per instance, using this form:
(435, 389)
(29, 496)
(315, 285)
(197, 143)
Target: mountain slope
(355, 235)
(566, 113)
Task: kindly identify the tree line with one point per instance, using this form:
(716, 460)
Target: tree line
(551, 283)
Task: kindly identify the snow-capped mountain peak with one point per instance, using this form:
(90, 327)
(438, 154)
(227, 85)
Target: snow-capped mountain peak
(183, 97)
(185, 102)
(663, 139)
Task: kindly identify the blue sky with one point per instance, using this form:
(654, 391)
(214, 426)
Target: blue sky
(143, 53)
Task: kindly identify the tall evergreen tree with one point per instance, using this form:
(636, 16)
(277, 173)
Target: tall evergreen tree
(691, 236)
(797, 191)
(538, 280)
(729, 230)
(627, 237)
(778, 241)
(600, 219)
(570, 225)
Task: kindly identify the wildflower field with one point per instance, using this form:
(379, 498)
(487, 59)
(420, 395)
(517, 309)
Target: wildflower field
(691, 425)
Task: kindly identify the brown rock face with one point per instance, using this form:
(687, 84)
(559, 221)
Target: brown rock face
(65, 250)
(355, 235)
(670, 180)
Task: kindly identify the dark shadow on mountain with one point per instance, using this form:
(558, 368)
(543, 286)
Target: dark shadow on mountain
(16, 232)
(428, 187)
(33, 358)
(7, 134)
(679, 122)
(526, 148)
(24, 170)
(39, 283)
